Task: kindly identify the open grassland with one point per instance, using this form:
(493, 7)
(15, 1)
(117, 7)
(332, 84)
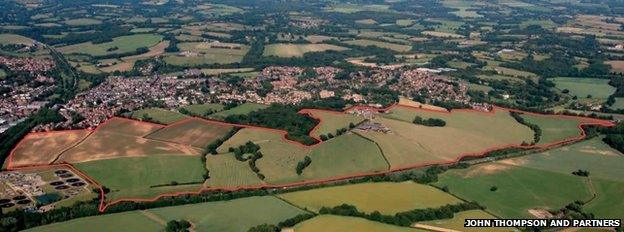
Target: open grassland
(158, 115)
(241, 109)
(193, 132)
(555, 129)
(43, 148)
(203, 109)
(297, 50)
(345, 154)
(391, 46)
(280, 157)
(333, 223)
(457, 222)
(234, 215)
(128, 127)
(123, 44)
(584, 87)
(386, 197)
(139, 176)
(332, 121)
(226, 171)
(15, 39)
(465, 132)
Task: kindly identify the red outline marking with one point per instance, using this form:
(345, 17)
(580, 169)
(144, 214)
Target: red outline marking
(103, 204)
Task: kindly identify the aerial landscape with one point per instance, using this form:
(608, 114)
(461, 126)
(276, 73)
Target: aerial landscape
(311, 115)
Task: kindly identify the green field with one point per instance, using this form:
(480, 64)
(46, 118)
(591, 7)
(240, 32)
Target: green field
(203, 109)
(226, 171)
(457, 222)
(241, 109)
(15, 39)
(333, 223)
(386, 197)
(554, 129)
(158, 115)
(547, 24)
(391, 46)
(207, 53)
(345, 154)
(124, 44)
(132, 177)
(280, 157)
(297, 50)
(235, 215)
(194, 132)
(82, 22)
(582, 87)
(465, 132)
(2, 73)
(331, 121)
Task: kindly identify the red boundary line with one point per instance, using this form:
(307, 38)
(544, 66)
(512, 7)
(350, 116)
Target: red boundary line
(103, 205)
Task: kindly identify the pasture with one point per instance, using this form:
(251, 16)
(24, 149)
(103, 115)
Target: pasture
(226, 171)
(345, 154)
(15, 39)
(331, 121)
(386, 45)
(386, 197)
(140, 176)
(465, 132)
(297, 50)
(193, 132)
(123, 44)
(44, 148)
(203, 109)
(555, 129)
(245, 108)
(333, 223)
(158, 115)
(584, 87)
(280, 156)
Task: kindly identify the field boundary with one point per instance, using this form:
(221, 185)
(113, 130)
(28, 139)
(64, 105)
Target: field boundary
(103, 205)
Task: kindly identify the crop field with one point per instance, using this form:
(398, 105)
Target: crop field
(208, 53)
(457, 222)
(333, 223)
(280, 157)
(241, 109)
(354, 8)
(124, 44)
(616, 65)
(554, 129)
(465, 132)
(386, 197)
(407, 102)
(608, 202)
(44, 148)
(226, 171)
(345, 154)
(509, 71)
(140, 176)
(15, 39)
(583, 87)
(297, 50)
(128, 127)
(332, 121)
(234, 215)
(82, 22)
(391, 46)
(193, 132)
(203, 109)
(158, 115)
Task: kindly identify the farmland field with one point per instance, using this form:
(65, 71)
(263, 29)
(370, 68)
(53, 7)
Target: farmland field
(124, 44)
(391, 46)
(333, 223)
(332, 121)
(616, 65)
(554, 129)
(43, 148)
(583, 87)
(158, 115)
(208, 53)
(457, 222)
(123, 222)
(386, 197)
(15, 39)
(82, 22)
(465, 132)
(135, 176)
(226, 171)
(241, 109)
(128, 127)
(345, 154)
(193, 132)
(297, 50)
(280, 157)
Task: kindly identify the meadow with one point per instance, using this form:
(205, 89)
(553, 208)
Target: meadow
(193, 132)
(297, 50)
(332, 121)
(391, 46)
(138, 176)
(386, 197)
(333, 223)
(226, 171)
(245, 108)
(584, 87)
(158, 115)
(554, 129)
(123, 44)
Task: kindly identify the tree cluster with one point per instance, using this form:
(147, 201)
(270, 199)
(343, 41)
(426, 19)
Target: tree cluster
(432, 122)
